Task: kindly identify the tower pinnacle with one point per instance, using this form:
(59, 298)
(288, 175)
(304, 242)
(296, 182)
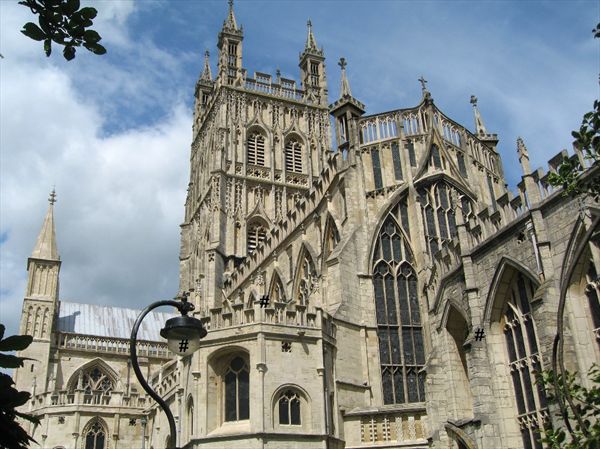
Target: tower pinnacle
(311, 42)
(345, 91)
(479, 126)
(523, 156)
(45, 247)
(206, 73)
(230, 23)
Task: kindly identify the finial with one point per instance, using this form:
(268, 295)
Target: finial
(523, 156)
(423, 81)
(309, 24)
(230, 22)
(345, 91)
(52, 198)
(311, 42)
(206, 73)
(230, 4)
(479, 126)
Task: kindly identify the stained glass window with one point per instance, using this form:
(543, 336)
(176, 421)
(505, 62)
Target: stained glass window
(399, 329)
(397, 162)
(376, 169)
(524, 361)
(438, 215)
(95, 435)
(237, 390)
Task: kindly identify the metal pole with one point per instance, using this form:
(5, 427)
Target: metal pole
(136, 366)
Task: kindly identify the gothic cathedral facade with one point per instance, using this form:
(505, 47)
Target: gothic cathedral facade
(370, 285)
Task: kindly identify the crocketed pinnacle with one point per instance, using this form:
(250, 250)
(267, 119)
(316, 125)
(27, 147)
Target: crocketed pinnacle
(479, 126)
(230, 23)
(206, 73)
(311, 42)
(45, 247)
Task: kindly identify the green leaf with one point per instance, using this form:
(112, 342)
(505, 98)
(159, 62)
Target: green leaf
(91, 36)
(12, 398)
(95, 48)
(32, 31)
(15, 343)
(70, 6)
(2, 329)
(69, 52)
(89, 12)
(11, 361)
(30, 418)
(48, 47)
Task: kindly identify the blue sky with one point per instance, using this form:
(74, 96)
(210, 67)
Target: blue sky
(113, 133)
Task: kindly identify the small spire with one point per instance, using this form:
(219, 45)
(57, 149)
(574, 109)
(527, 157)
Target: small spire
(206, 73)
(311, 42)
(345, 91)
(45, 247)
(479, 126)
(523, 156)
(230, 23)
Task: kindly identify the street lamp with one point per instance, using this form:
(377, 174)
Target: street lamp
(183, 334)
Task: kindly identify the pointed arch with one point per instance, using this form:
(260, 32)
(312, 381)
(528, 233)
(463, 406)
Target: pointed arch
(189, 408)
(256, 233)
(305, 279)
(276, 288)
(95, 434)
(331, 237)
(256, 140)
(494, 304)
(105, 374)
(294, 146)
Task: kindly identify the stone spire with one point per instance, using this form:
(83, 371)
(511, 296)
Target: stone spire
(311, 42)
(523, 156)
(230, 23)
(45, 247)
(206, 73)
(345, 91)
(479, 126)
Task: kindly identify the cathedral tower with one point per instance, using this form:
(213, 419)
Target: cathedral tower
(40, 304)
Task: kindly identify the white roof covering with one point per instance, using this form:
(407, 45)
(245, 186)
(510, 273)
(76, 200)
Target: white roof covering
(109, 321)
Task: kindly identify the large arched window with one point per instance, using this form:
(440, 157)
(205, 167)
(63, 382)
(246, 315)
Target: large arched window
(256, 234)
(256, 149)
(94, 434)
(289, 408)
(237, 390)
(438, 215)
(96, 383)
(524, 360)
(306, 278)
(293, 155)
(399, 328)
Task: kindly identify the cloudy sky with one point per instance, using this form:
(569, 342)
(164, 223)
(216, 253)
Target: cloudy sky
(112, 133)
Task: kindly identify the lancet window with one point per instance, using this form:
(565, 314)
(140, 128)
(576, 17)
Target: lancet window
(289, 408)
(376, 169)
(276, 292)
(524, 361)
(462, 168)
(255, 236)
(396, 161)
(256, 149)
(331, 238)
(307, 278)
(94, 435)
(438, 215)
(237, 390)
(399, 327)
(293, 156)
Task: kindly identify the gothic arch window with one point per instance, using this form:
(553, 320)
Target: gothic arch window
(331, 237)
(293, 155)
(236, 382)
(96, 383)
(289, 408)
(524, 360)
(94, 434)
(276, 292)
(306, 278)
(255, 235)
(190, 417)
(439, 218)
(436, 158)
(256, 148)
(399, 327)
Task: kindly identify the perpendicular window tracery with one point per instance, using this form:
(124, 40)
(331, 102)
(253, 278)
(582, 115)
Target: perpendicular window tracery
(256, 149)
(293, 156)
(399, 327)
(237, 390)
(439, 219)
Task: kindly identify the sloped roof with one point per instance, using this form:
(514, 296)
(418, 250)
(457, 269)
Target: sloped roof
(109, 321)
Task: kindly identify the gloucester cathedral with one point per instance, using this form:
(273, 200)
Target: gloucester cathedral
(412, 298)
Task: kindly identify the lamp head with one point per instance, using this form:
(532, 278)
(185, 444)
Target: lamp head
(183, 334)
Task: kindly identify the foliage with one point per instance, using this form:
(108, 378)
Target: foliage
(63, 22)
(587, 405)
(12, 435)
(587, 140)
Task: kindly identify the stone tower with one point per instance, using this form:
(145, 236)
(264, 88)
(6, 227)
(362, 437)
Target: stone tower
(39, 306)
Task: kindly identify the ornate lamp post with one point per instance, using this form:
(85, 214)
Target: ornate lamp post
(183, 334)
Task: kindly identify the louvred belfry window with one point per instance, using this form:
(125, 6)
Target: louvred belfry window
(399, 328)
(256, 149)
(293, 156)
(255, 236)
